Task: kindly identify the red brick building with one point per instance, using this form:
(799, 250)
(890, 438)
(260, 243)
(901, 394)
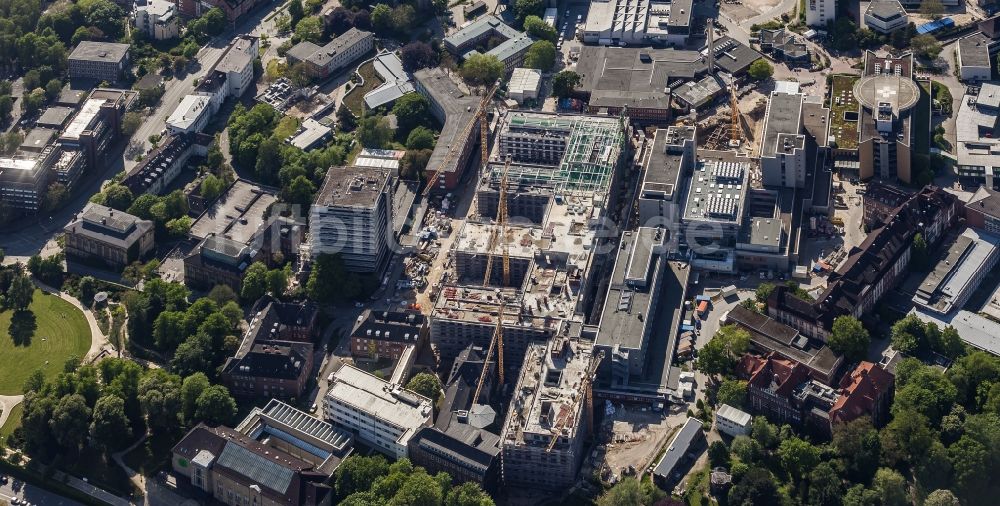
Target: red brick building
(867, 390)
(385, 334)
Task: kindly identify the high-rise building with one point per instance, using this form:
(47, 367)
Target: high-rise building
(352, 215)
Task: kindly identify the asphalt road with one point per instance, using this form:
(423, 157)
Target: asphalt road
(34, 495)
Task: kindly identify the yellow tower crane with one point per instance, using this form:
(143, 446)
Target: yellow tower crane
(587, 393)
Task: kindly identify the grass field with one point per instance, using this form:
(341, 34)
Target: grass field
(13, 421)
(43, 338)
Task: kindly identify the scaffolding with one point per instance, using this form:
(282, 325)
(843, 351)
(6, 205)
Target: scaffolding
(593, 150)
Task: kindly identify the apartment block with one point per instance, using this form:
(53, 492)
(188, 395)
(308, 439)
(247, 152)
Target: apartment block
(352, 215)
(456, 110)
(380, 414)
(820, 12)
(158, 19)
(386, 334)
(783, 150)
(101, 61)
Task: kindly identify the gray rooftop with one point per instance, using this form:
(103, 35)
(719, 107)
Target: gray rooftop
(322, 55)
(55, 117)
(784, 116)
(698, 93)
(255, 467)
(885, 10)
(954, 275)
(458, 108)
(678, 447)
(974, 50)
(108, 225)
(99, 51)
(352, 187)
(663, 169)
(717, 191)
(629, 307)
(481, 27)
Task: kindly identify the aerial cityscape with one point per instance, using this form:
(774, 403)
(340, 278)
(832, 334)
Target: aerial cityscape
(485, 252)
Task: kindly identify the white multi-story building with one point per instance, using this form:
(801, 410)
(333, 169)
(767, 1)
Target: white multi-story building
(731, 421)
(156, 18)
(352, 215)
(820, 12)
(783, 151)
(382, 415)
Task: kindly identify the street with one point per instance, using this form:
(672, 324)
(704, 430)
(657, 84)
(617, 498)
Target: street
(15, 488)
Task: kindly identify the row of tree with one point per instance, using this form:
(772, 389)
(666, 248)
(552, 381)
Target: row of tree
(363, 481)
(107, 405)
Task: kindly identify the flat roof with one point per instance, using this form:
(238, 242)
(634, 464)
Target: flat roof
(663, 168)
(352, 187)
(84, 120)
(322, 55)
(698, 93)
(392, 404)
(628, 309)
(190, 109)
(479, 28)
(238, 214)
(717, 191)
(783, 123)
(55, 116)
(309, 134)
(38, 138)
(977, 331)
(99, 51)
(524, 80)
(732, 414)
(458, 108)
(953, 276)
(976, 128)
(885, 10)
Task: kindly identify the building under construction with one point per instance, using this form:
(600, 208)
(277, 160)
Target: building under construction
(559, 171)
(549, 419)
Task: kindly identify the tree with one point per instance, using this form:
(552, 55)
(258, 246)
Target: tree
(295, 10)
(755, 487)
(721, 353)
(411, 110)
(69, 421)
(358, 474)
(268, 158)
(170, 329)
(630, 491)
(825, 486)
(891, 487)
(928, 393)
(970, 462)
(110, 428)
(764, 432)
(907, 438)
(482, 69)
(952, 345)
(299, 191)
(763, 292)
(858, 495)
(932, 8)
(525, 8)
(179, 227)
(413, 163)
(277, 281)
(6, 107)
(426, 384)
(117, 197)
(849, 338)
(761, 70)
(20, 293)
(718, 454)
(539, 29)
(160, 399)
(798, 456)
(222, 294)
(211, 187)
(857, 444)
(374, 131)
(418, 55)
(926, 46)
(382, 19)
(564, 83)
(53, 88)
(32, 102)
(919, 257)
(541, 55)
(309, 29)
(346, 119)
(191, 389)
(732, 392)
(909, 335)
(215, 406)
(468, 494)
(420, 137)
(131, 123)
(941, 498)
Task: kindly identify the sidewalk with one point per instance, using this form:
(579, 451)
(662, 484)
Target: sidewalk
(7, 403)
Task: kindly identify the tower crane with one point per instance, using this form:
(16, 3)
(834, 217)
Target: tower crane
(499, 233)
(735, 132)
(480, 116)
(587, 393)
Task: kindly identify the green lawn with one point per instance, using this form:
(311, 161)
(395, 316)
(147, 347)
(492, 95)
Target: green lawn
(355, 100)
(13, 421)
(43, 337)
(842, 100)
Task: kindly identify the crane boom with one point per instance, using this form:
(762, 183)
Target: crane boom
(453, 151)
(587, 393)
(499, 232)
(497, 338)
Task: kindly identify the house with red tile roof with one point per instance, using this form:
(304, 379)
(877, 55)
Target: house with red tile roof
(867, 390)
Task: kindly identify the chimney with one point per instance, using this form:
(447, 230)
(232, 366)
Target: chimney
(711, 46)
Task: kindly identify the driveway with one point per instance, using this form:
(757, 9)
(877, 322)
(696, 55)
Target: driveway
(7, 403)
